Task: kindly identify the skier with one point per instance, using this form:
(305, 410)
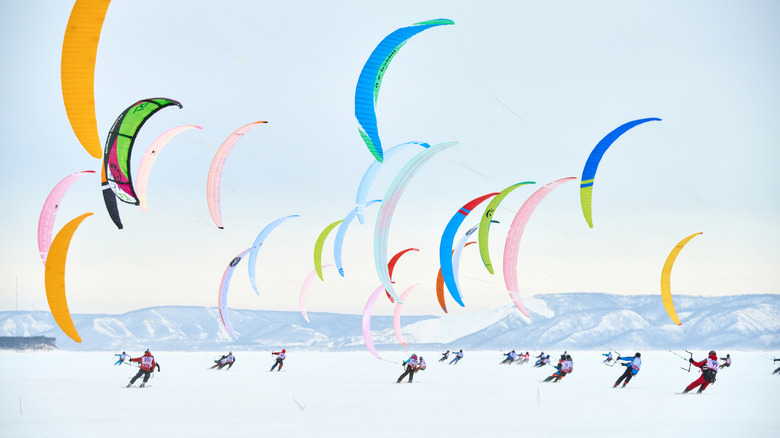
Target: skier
(122, 358)
(411, 365)
(510, 357)
(458, 357)
(632, 365)
(444, 356)
(726, 361)
(422, 366)
(542, 362)
(280, 355)
(219, 363)
(609, 357)
(709, 368)
(230, 360)
(524, 358)
(147, 363)
(565, 366)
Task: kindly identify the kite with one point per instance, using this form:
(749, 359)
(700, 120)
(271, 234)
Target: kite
(366, 321)
(512, 244)
(115, 174)
(55, 277)
(391, 266)
(338, 242)
(666, 274)
(215, 171)
(223, 293)
(484, 223)
(149, 157)
(397, 316)
(389, 203)
(370, 176)
(447, 240)
(440, 284)
(77, 70)
(592, 164)
(49, 211)
(252, 262)
(318, 247)
(305, 291)
(370, 80)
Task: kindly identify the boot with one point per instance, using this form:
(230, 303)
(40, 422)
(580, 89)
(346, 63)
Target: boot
(685, 391)
(142, 385)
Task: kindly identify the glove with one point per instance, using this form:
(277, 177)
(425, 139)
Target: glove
(690, 360)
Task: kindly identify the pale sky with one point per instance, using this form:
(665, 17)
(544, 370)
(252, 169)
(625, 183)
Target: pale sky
(526, 88)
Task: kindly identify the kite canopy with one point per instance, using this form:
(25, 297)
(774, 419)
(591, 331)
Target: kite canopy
(592, 164)
(305, 291)
(512, 244)
(484, 223)
(397, 315)
(49, 211)
(318, 247)
(55, 277)
(666, 274)
(150, 156)
(119, 145)
(370, 80)
(389, 203)
(252, 262)
(224, 286)
(447, 241)
(338, 242)
(214, 182)
(77, 70)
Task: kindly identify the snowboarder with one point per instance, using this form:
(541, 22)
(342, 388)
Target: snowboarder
(709, 368)
(122, 358)
(444, 356)
(147, 364)
(280, 355)
(458, 357)
(609, 357)
(632, 364)
(510, 357)
(726, 361)
(411, 365)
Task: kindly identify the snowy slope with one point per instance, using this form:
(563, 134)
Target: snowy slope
(567, 321)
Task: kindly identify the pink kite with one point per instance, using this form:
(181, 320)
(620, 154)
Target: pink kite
(512, 244)
(397, 315)
(305, 290)
(49, 211)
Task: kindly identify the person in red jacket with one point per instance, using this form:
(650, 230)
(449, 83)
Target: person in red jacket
(147, 365)
(280, 355)
(709, 368)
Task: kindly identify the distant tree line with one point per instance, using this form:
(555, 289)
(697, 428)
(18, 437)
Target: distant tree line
(27, 343)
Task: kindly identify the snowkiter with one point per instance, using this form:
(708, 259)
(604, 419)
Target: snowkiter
(444, 356)
(777, 371)
(709, 368)
(122, 358)
(632, 364)
(421, 366)
(230, 360)
(609, 357)
(524, 358)
(410, 368)
(510, 357)
(280, 355)
(543, 361)
(219, 363)
(458, 357)
(726, 361)
(147, 364)
(565, 366)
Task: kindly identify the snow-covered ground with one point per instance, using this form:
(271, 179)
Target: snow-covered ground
(64, 394)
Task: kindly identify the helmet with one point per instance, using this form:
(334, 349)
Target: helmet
(414, 356)
(637, 355)
(230, 352)
(712, 353)
(548, 356)
(148, 353)
(568, 357)
(284, 351)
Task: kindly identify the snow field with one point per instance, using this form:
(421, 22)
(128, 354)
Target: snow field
(338, 394)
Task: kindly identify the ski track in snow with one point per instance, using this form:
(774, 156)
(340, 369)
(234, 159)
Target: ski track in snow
(69, 394)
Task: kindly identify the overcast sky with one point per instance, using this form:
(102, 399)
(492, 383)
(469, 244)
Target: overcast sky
(526, 88)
